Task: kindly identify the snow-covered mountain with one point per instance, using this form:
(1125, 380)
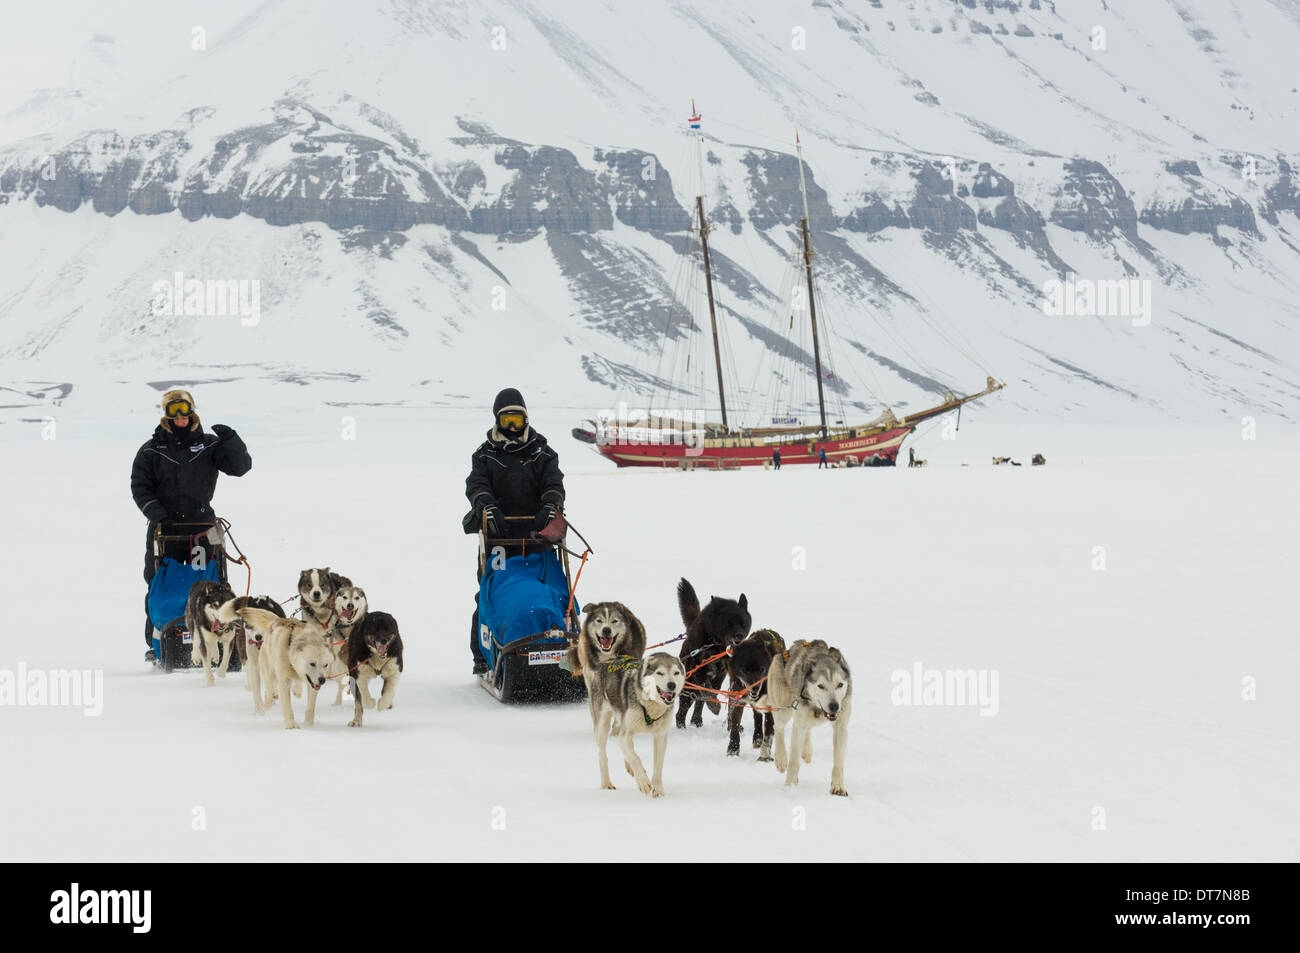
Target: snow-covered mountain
(419, 193)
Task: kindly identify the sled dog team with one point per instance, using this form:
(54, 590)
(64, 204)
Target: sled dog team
(806, 684)
(338, 637)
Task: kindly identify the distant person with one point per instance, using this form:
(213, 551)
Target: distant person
(821, 460)
(776, 458)
(174, 475)
(512, 473)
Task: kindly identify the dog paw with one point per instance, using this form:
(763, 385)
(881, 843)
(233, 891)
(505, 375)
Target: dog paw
(645, 787)
(839, 792)
(780, 764)
(336, 702)
(697, 721)
(733, 751)
(297, 691)
(807, 756)
(656, 790)
(791, 782)
(221, 674)
(764, 758)
(756, 743)
(608, 786)
(714, 707)
(290, 726)
(384, 705)
(354, 723)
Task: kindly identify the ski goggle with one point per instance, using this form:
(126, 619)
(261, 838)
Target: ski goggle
(511, 420)
(178, 408)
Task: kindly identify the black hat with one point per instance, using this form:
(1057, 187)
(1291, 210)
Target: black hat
(508, 398)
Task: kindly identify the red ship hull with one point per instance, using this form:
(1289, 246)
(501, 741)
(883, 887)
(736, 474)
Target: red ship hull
(717, 455)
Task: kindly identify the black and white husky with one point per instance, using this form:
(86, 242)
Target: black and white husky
(374, 650)
(637, 696)
(316, 591)
(748, 665)
(206, 631)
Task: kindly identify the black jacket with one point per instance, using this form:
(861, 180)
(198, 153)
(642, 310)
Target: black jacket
(517, 478)
(174, 475)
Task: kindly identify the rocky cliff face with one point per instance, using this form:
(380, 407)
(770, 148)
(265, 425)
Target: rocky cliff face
(304, 167)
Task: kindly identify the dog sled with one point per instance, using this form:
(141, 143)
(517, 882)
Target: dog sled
(526, 614)
(183, 554)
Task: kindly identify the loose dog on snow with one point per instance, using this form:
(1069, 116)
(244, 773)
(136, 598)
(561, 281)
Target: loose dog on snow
(248, 640)
(294, 652)
(316, 591)
(637, 697)
(349, 612)
(748, 666)
(609, 631)
(206, 633)
(722, 623)
(810, 684)
(374, 650)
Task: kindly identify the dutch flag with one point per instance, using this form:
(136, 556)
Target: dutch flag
(695, 116)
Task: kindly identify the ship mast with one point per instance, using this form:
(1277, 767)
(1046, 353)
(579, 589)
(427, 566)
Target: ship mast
(807, 262)
(708, 272)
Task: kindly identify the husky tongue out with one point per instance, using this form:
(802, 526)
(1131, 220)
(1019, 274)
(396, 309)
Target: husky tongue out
(347, 614)
(606, 642)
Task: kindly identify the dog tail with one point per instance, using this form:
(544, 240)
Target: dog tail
(228, 611)
(259, 619)
(263, 602)
(688, 602)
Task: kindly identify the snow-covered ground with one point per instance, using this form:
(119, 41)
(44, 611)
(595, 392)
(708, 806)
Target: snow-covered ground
(1144, 711)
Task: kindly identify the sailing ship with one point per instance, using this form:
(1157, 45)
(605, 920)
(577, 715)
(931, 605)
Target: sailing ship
(660, 440)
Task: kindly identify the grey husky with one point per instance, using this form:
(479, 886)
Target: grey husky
(810, 685)
(636, 696)
(350, 607)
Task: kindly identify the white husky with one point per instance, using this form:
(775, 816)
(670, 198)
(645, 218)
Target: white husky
(294, 652)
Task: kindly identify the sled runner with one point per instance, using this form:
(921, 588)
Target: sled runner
(183, 553)
(524, 595)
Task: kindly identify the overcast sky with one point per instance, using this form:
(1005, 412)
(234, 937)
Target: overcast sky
(52, 43)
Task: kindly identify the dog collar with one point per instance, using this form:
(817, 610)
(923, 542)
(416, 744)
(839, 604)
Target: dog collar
(650, 721)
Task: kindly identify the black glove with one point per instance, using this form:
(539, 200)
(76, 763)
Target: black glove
(223, 432)
(154, 511)
(544, 516)
(496, 520)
